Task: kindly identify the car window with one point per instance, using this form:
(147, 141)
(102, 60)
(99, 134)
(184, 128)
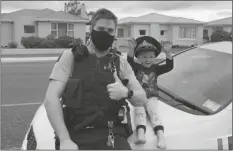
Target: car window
(202, 78)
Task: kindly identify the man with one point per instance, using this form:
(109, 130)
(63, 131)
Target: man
(103, 30)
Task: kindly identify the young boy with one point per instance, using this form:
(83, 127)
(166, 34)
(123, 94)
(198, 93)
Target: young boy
(146, 49)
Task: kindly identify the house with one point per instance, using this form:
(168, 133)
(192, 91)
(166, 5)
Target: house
(177, 30)
(221, 24)
(41, 23)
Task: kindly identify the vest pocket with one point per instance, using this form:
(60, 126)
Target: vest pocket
(72, 95)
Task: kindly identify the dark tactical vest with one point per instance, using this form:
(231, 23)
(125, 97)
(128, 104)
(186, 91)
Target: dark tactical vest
(87, 100)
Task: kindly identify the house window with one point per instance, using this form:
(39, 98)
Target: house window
(129, 32)
(187, 33)
(163, 32)
(54, 30)
(120, 32)
(62, 29)
(70, 31)
(205, 33)
(29, 29)
(217, 29)
(142, 32)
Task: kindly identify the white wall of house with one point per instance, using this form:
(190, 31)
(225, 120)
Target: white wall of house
(80, 31)
(6, 33)
(19, 24)
(137, 28)
(165, 32)
(200, 29)
(227, 28)
(155, 31)
(44, 29)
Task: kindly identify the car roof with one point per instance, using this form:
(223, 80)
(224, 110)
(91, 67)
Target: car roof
(224, 46)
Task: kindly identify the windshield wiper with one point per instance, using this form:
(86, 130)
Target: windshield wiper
(181, 100)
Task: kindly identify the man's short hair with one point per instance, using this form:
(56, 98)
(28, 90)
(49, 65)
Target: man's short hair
(103, 14)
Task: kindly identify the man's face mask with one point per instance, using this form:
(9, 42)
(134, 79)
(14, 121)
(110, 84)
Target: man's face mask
(101, 39)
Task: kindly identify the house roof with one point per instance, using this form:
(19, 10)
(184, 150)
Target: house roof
(61, 16)
(6, 20)
(158, 18)
(27, 12)
(182, 20)
(224, 21)
(44, 15)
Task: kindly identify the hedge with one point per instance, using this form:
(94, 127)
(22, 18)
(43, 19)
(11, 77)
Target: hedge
(220, 36)
(50, 42)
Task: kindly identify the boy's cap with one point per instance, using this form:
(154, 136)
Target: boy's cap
(147, 43)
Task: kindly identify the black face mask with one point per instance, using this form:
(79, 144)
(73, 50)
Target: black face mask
(101, 39)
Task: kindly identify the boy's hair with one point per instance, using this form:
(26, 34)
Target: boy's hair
(103, 14)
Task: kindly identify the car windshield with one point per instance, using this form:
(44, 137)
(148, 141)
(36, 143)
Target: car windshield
(202, 77)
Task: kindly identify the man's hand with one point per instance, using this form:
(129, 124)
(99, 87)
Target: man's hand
(68, 144)
(131, 44)
(117, 90)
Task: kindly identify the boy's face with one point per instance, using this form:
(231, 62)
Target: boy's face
(146, 58)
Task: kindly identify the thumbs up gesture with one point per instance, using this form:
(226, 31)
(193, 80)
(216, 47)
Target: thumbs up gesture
(117, 90)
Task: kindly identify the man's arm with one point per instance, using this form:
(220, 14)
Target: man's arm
(53, 107)
(58, 79)
(139, 96)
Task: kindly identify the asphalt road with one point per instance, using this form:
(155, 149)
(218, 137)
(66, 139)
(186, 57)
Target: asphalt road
(22, 84)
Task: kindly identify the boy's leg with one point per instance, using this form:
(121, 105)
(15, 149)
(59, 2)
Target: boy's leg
(140, 122)
(156, 121)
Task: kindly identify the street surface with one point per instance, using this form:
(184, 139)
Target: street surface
(24, 83)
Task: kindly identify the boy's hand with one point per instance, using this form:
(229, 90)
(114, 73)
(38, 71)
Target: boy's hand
(131, 44)
(166, 49)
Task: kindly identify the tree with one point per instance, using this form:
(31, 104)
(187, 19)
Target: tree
(76, 8)
(90, 14)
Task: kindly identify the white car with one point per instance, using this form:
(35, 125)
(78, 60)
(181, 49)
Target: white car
(195, 104)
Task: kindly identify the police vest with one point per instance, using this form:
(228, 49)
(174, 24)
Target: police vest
(86, 97)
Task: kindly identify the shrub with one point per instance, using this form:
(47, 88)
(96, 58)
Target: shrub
(50, 42)
(31, 42)
(206, 37)
(64, 42)
(50, 37)
(220, 36)
(76, 41)
(12, 45)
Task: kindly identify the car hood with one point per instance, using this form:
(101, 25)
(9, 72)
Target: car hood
(187, 131)
(182, 130)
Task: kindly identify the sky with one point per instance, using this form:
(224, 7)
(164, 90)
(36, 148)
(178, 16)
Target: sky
(198, 10)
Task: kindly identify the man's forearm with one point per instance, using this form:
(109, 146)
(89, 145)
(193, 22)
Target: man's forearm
(55, 115)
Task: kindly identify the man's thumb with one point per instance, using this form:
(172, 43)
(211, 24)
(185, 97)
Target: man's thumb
(116, 77)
